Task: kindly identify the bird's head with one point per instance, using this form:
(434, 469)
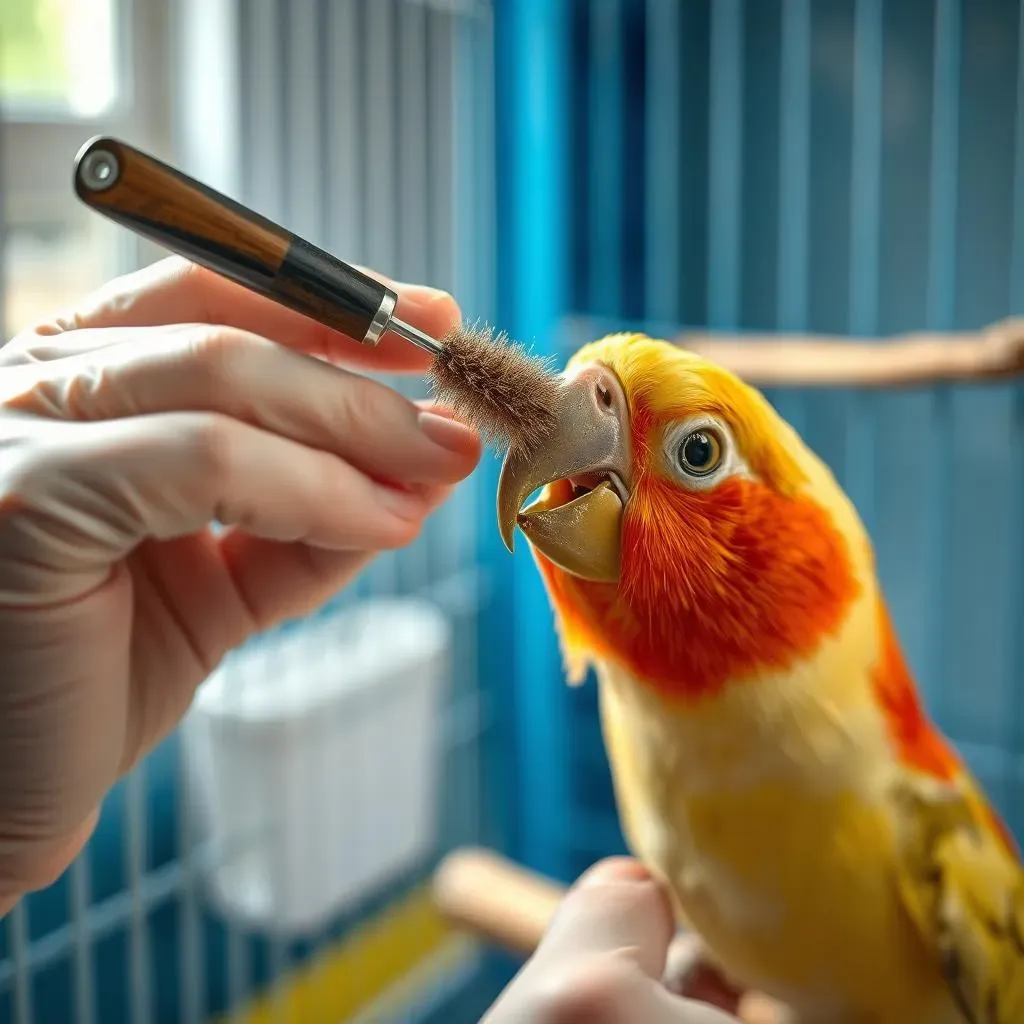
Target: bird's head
(682, 528)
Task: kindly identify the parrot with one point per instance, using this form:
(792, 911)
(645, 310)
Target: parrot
(772, 761)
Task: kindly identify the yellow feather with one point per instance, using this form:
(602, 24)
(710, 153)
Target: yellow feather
(763, 810)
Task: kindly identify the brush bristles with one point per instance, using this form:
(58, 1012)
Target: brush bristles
(495, 385)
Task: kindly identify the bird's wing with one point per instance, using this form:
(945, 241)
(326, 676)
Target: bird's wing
(963, 885)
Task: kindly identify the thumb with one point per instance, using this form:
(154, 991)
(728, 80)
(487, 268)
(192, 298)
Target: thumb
(615, 905)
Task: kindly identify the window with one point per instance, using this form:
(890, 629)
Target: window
(69, 70)
(59, 56)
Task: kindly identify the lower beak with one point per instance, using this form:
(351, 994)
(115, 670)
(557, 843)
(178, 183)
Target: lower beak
(576, 523)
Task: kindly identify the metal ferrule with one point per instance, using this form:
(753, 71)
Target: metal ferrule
(381, 319)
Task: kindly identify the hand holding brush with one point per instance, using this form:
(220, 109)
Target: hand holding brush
(184, 394)
(127, 425)
(484, 379)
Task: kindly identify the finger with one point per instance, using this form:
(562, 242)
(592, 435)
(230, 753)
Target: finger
(689, 972)
(616, 905)
(285, 581)
(97, 490)
(174, 290)
(29, 347)
(611, 989)
(214, 369)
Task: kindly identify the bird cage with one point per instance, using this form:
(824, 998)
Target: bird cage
(827, 197)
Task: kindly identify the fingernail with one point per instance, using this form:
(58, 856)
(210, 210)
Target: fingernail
(423, 295)
(447, 433)
(616, 869)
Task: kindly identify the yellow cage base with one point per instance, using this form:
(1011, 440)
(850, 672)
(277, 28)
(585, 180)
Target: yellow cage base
(390, 958)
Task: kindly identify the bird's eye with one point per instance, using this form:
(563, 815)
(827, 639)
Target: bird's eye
(700, 453)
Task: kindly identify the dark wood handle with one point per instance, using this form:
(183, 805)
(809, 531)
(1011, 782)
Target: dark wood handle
(170, 208)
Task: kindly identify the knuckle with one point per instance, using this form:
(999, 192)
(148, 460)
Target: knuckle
(213, 446)
(194, 276)
(188, 270)
(218, 351)
(588, 993)
(368, 405)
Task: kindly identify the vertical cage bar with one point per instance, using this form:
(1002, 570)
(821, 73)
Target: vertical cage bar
(412, 138)
(604, 166)
(866, 177)
(440, 171)
(279, 952)
(485, 93)
(793, 272)
(382, 187)
(532, 37)
(494, 668)
(264, 108)
(413, 202)
(190, 948)
(460, 187)
(136, 822)
(725, 154)
(945, 166)
(663, 117)
(794, 166)
(1016, 282)
(466, 208)
(439, 166)
(1015, 603)
(17, 932)
(379, 140)
(865, 234)
(941, 315)
(1015, 557)
(237, 967)
(83, 962)
(302, 120)
(344, 158)
(239, 950)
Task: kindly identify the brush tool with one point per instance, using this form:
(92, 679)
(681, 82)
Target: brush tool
(492, 383)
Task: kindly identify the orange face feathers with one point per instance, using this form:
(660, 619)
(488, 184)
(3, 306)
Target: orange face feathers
(717, 584)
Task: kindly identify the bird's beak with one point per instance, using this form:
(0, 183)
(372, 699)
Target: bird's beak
(583, 465)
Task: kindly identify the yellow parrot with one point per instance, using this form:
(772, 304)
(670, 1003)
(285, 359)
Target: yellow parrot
(771, 757)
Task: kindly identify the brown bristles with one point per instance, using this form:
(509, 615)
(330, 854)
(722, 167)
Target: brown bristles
(495, 385)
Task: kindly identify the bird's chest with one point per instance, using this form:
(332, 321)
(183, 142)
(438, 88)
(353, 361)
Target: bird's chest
(769, 825)
(749, 838)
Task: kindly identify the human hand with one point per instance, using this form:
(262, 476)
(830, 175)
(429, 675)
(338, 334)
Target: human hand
(127, 428)
(602, 959)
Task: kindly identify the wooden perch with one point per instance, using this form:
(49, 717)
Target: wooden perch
(781, 360)
(504, 904)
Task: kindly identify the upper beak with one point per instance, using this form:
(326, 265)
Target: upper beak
(588, 445)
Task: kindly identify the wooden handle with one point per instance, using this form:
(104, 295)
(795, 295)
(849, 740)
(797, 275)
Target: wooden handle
(163, 204)
(778, 360)
(506, 905)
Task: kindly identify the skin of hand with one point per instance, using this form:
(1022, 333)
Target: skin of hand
(126, 429)
(603, 958)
